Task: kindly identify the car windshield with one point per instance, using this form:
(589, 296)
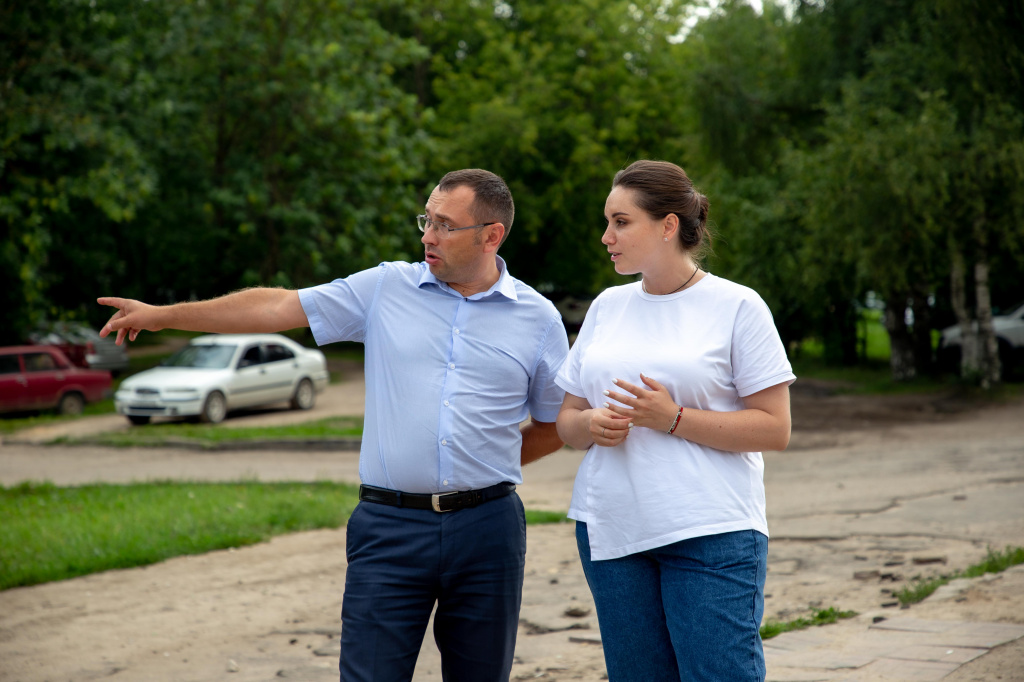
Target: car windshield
(204, 356)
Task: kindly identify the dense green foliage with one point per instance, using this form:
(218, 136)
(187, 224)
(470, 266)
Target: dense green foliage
(176, 150)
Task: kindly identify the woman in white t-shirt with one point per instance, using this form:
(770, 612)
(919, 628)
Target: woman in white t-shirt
(674, 386)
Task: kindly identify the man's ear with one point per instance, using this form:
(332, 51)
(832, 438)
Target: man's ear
(492, 238)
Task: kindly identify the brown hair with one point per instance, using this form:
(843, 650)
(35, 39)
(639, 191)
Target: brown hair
(492, 199)
(661, 188)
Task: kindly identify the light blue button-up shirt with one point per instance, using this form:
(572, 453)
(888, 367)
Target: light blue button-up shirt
(448, 378)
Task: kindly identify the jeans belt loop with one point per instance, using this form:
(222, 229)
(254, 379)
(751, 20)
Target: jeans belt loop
(435, 501)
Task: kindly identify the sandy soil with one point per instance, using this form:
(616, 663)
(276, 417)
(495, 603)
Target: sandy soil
(871, 493)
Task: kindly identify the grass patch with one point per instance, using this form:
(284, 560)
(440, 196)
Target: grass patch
(819, 617)
(870, 378)
(17, 422)
(212, 435)
(994, 562)
(536, 517)
(55, 533)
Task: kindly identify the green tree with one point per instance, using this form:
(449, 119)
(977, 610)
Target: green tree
(68, 157)
(296, 158)
(172, 150)
(555, 97)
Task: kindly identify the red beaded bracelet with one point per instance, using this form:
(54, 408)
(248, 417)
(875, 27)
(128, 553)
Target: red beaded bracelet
(679, 414)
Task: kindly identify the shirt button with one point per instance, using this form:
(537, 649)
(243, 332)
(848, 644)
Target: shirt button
(451, 365)
(445, 481)
(456, 330)
(444, 441)
(446, 403)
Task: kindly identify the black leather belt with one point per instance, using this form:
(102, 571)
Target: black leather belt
(439, 502)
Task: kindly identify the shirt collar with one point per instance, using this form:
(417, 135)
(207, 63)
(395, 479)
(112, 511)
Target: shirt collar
(504, 287)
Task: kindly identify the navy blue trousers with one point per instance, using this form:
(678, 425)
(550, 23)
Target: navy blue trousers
(403, 561)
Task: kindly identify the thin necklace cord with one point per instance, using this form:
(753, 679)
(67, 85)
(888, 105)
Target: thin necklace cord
(643, 285)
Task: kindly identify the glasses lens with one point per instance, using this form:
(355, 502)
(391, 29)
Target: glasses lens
(423, 222)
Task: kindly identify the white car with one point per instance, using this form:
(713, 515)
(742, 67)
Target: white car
(222, 372)
(1009, 330)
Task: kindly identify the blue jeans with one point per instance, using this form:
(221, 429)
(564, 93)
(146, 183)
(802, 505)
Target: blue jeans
(687, 611)
(402, 561)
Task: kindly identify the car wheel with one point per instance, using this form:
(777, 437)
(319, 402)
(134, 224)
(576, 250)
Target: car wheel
(71, 403)
(305, 396)
(139, 421)
(215, 408)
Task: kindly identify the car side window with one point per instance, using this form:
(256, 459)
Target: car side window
(250, 357)
(276, 352)
(39, 362)
(9, 364)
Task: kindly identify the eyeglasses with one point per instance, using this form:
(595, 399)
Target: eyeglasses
(423, 222)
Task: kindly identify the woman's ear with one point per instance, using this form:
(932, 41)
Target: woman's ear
(670, 226)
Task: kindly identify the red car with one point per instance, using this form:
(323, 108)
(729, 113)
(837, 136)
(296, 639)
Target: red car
(42, 377)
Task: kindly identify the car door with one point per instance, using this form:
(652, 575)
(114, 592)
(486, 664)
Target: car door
(13, 384)
(249, 383)
(281, 367)
(46, 379)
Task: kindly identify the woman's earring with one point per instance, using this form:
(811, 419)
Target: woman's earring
(666, 238)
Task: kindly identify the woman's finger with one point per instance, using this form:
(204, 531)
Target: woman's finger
(626, 386)
(619, 397)
(619, 409)
(652, 383)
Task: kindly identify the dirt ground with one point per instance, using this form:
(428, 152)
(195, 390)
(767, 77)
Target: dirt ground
(872, 492)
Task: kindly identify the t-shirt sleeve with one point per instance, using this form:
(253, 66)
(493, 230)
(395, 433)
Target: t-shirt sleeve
(569, 378)
(545, 399)
(758, 356)
(338, 311)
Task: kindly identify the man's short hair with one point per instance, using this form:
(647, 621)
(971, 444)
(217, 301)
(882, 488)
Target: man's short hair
(492, 199)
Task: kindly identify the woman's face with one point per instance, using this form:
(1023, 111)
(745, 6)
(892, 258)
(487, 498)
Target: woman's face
(633, 238)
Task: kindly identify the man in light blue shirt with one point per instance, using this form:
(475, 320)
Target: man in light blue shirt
(458, 355)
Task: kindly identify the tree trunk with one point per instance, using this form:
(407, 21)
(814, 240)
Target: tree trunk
(840, 334)
(969, 360)
(901, 358)
(922, 333)
(991, 372)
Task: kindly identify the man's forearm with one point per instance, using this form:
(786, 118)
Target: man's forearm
(539, 439)
(247, 311)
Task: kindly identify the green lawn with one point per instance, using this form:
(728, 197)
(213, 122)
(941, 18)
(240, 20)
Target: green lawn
(54, 533)
(211, 435)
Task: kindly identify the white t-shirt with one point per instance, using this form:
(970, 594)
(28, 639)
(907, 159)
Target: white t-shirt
(710, 345)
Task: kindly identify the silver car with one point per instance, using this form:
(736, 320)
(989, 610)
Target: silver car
(1009, 330)
(222, 372)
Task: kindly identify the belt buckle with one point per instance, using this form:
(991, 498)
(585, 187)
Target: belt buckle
(435, 502)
